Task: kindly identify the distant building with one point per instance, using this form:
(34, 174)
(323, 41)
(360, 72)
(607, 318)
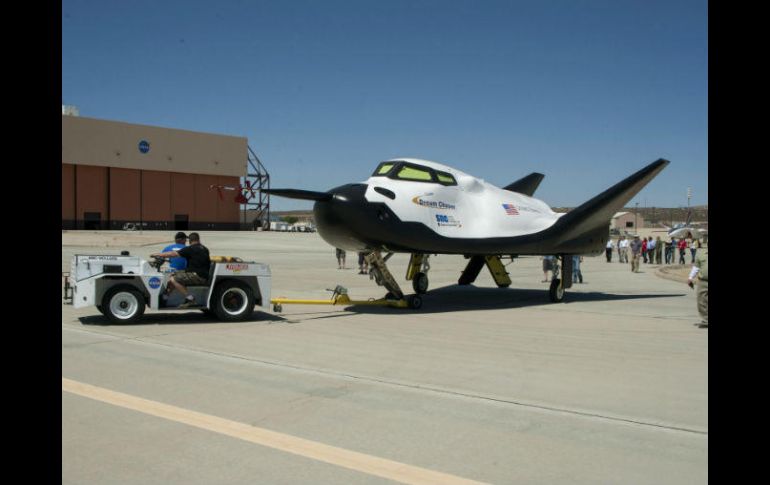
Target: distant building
(625, 221)
(69, 110)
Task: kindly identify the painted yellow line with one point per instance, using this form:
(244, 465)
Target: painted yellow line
(361, 462)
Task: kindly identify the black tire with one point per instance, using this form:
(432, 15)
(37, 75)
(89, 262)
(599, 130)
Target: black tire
(420, 283)
(233, 301)
(414, 301)
(123, 304)
(556, 292)
(101, 310)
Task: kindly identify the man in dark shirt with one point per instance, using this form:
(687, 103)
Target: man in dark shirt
(197, 271)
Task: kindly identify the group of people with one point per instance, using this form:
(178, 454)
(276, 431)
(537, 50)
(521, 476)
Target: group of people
(653, 251)
(550, 265)
(363, 264)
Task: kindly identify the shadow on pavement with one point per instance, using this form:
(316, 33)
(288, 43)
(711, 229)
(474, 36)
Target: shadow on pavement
(459, 298)
(178, 318)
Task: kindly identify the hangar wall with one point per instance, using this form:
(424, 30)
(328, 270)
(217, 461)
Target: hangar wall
(108, 180)
(109, 197)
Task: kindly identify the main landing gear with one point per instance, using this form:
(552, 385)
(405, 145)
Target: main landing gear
(379, 272)
(418, 272)
(558, 285)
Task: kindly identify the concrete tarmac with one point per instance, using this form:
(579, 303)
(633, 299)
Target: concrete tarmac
(482, 384)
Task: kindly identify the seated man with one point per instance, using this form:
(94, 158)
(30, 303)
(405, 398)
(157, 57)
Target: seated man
(177, 264)
(197, 271)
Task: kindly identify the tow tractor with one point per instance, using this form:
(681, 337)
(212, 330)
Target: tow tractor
(122, 286)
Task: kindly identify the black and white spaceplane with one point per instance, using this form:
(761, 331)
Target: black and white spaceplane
(424, 208)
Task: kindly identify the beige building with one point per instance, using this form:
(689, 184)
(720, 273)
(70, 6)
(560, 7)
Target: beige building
(115, 173)
(626, 221)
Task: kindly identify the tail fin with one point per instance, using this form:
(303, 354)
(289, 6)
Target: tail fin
(526, 185)
(596, 214)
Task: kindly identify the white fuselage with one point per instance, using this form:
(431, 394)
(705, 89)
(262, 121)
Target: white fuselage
(471, 209)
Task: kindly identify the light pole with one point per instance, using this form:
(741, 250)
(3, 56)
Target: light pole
(636, 215)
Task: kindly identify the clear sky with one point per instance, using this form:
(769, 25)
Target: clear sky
(586, 92)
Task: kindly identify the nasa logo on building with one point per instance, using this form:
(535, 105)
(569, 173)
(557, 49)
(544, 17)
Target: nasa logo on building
(144, 146)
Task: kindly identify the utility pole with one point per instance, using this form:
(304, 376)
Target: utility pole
(689, 196)
(636, 218)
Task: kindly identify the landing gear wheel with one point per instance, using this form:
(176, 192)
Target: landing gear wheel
(277, 308)
(123, 304)
(233, 301)
(556, 292)
(414, 302)
(420, 283)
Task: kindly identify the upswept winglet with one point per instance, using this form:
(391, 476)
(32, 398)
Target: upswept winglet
(596, 213)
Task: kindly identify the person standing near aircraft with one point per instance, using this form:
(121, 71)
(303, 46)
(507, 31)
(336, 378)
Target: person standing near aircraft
(651, 250)
(547, 266)
(700, 269)
(670, 247)
(341, 258)
(608, 250)
(658, 250)
(577, 275)
(636, 249)
(682, 245)
(623, 250)
(693, 249)
(363, 266)
(644, 249)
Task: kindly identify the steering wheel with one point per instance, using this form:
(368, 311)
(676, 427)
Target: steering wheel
(157, 263)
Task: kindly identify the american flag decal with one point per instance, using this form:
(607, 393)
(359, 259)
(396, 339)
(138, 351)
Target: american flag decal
(510, 209)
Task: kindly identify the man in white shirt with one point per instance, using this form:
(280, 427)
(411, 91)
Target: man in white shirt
(651, 249)
(623, 249)
(610, 246)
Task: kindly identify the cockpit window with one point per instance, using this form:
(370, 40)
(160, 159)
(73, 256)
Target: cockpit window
(414, 173)
(445, 178)
(383, 168)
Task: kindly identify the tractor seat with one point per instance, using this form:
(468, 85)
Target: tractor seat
(208, 280)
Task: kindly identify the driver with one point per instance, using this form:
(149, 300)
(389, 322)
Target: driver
(197, 271)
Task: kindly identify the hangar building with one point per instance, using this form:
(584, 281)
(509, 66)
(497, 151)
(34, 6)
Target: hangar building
(626, 221)
(115, 173)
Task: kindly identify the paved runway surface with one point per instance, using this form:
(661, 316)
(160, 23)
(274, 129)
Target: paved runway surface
(481, 384)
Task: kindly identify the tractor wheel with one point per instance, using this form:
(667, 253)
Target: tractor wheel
(233, 301)
(123, 304)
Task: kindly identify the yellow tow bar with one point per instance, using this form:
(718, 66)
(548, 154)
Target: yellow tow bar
(340, 297)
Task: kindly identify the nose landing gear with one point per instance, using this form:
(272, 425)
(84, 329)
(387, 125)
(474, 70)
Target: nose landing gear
(379, 272)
